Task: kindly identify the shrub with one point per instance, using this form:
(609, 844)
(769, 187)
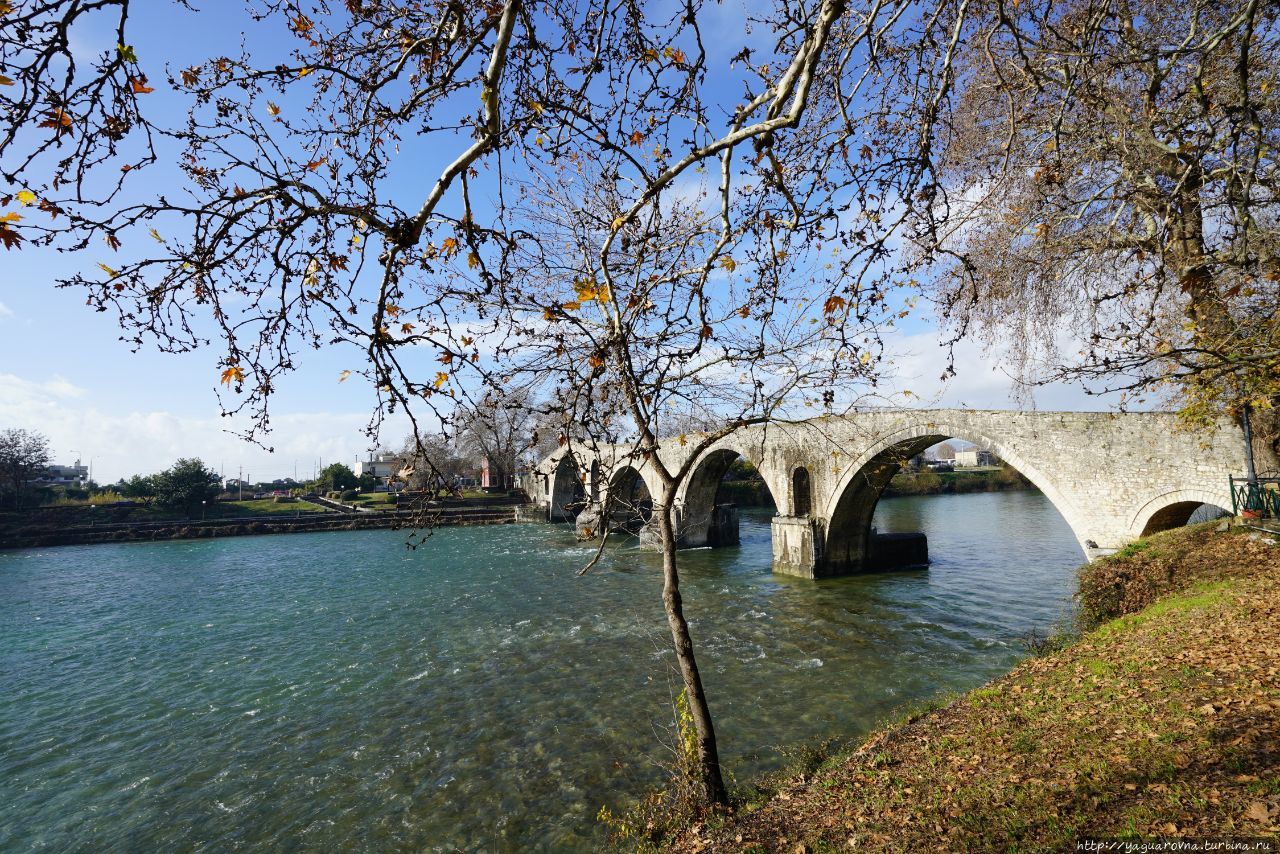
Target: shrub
(350, 495)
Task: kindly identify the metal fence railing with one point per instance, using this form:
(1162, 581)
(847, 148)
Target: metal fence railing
(1259, 498)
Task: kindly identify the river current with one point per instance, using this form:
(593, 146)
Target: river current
(339, 691)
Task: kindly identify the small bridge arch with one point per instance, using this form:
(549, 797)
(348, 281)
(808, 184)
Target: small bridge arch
(566, 490)
(1174, 509)
(701, 520)
(628, 499)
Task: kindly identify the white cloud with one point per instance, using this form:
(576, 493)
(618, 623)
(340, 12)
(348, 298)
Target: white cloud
(17, 390)
(5, 311)
(981, 381)
(121, 443)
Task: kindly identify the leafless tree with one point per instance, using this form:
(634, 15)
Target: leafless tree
(500, 428)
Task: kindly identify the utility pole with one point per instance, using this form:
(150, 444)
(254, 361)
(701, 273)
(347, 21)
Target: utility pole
(240, 478)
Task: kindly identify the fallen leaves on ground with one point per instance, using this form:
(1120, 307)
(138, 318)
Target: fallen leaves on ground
(1164, 722)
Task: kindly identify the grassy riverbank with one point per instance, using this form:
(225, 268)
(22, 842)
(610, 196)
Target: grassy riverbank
(1161, 718)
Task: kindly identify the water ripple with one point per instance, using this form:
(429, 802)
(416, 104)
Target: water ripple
(322, 691)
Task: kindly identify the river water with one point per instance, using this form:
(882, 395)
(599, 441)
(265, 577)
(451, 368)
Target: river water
(337, 690)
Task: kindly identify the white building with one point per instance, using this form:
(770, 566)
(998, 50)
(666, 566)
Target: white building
(976, 457)
(73, 476)
(382, 466)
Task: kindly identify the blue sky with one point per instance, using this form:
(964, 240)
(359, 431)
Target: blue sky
(64, 373)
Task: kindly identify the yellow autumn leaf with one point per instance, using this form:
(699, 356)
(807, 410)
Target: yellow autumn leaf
(441, 378)
(11, 217)
(26, 197)
(107, 270)
(473, 260)
(571, 306)
(864, 357)
(6, 81)
(156, 236)
(232, 374)
(303, 72)
(728, 263)
(342, 377)
(272, 109)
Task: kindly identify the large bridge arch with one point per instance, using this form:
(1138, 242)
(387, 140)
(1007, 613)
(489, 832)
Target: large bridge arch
(851, 504)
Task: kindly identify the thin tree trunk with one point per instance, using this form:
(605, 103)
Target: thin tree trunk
(711, 781)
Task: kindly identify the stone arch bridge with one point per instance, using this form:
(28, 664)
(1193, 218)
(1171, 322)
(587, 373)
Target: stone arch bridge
(1112, 476)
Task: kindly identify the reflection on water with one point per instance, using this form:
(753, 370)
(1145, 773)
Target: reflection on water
(337, 690)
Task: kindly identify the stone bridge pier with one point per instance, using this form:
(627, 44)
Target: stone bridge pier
(1112, 476)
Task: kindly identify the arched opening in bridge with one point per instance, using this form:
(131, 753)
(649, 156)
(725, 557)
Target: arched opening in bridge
(567, 492)
(801, 492)
(1181, 513)
(851, 544)
(721, 482)
(629, 505)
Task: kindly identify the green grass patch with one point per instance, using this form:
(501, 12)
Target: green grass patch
(266, 507)
(1201, 596)
(1134, 548)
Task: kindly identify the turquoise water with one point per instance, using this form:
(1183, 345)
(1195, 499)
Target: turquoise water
(336, 690)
